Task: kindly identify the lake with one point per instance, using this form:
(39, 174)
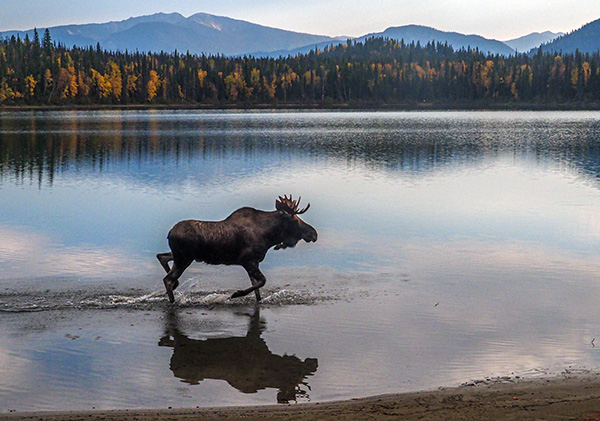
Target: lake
(453, 247)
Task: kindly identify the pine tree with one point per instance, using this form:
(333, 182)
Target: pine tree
(47, 42)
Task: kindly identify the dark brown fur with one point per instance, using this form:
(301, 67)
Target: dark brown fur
(243, 238)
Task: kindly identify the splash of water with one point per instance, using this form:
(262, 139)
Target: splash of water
(210, 299)
(188, 295)
(116, 300)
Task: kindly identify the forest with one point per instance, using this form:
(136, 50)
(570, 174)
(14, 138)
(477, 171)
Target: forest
(377, 72)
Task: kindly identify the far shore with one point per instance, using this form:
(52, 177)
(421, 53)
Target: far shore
(418, 106)
(567, 396)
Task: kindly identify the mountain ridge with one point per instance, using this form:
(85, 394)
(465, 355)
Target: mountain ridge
(415, 33)
(533, 40)
(585, 40)
(423, 34)
(203, 33)
(198, 33)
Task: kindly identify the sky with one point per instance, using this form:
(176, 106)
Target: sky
(495, 19)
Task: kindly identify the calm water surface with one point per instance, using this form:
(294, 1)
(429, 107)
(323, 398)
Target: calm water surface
(452, 246)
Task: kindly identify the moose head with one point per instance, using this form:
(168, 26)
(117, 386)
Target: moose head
(296, 229)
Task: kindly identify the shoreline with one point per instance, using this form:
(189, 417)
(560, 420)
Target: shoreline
(420, 106)
(563, 397)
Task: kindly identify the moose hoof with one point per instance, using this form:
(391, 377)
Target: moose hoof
(238, 294)
(171, 296)
(170, 288)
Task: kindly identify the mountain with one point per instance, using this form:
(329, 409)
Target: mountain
(305, 49)
(533, 40)
(411, 33)
(209, 34)
(199, 33)
(425, 34)
(585, 39)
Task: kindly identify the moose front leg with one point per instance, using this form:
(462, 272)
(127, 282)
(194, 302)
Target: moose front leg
(257, 279)
(171, 281)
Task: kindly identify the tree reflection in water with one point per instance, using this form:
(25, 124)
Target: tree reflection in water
(244, 362)
(39, 146)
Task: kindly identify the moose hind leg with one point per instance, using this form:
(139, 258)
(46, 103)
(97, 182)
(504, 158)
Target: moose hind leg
(164, 259)
(257, 293)
(257, 279)
(171, 281)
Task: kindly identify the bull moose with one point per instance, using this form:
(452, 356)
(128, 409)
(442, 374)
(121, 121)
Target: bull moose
(243, 238)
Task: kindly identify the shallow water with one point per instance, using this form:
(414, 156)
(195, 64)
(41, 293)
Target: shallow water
(452, 246)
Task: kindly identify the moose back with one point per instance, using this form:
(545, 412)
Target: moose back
(243, 238)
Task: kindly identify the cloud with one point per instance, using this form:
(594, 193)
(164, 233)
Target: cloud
(30, 254)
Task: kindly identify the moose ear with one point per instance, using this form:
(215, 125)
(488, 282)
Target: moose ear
(279, 206)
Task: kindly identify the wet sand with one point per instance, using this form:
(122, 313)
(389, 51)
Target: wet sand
(565, 397)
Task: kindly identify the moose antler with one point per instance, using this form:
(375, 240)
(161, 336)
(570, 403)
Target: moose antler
(290, 206)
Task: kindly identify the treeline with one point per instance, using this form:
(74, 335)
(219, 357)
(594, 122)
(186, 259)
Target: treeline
(378, 71)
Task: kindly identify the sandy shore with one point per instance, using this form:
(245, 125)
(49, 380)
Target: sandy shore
(565, 397)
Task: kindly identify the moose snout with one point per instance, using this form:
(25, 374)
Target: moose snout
(310, 236)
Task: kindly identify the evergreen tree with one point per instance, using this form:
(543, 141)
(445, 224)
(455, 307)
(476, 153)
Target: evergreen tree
(47, 41)
(377, 71)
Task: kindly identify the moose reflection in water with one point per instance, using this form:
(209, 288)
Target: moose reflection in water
(244, 362)
(243, 238)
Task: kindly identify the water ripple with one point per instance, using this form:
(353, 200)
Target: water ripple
(51, 301)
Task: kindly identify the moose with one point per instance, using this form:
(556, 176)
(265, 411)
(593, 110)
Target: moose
(243, 238)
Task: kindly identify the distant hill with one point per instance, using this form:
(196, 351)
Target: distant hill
(411, 33)
(305, 49)
(534, 40)
(209, 34)
(424, 34)
(199, 33)
(585, 39)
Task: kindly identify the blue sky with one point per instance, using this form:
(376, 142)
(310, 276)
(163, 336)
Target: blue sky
(502, 20)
